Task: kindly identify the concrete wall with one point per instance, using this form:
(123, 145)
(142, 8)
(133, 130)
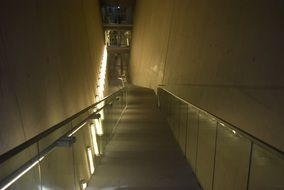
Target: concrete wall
(223, 56)
(50, 52)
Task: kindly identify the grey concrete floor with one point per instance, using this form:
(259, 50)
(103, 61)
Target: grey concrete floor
(143, 153)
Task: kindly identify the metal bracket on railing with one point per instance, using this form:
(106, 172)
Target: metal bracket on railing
(66, 141)
(95, 116)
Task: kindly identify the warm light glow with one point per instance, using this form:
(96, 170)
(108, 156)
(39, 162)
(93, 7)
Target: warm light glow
(222, 124)
(43, 188)
(99, 127)
(98, 106)
(102, 75)
(102, 81)
(127, 41)
(94, 110)
(91, 161)
(97, 98)
(21, 174)
(102, 114)
(84, 185)
(94, 140)
(234, 131)
(102, 104)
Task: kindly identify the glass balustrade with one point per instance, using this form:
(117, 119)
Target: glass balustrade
(67, 157)
(221, 155)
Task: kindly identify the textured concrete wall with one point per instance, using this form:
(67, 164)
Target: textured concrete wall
(50, 53)
(224, 56)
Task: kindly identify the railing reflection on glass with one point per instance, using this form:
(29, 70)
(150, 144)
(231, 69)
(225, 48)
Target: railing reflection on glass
(221, 155)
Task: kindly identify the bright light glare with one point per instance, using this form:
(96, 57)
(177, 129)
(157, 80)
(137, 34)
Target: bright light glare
(102, 75)
(102, 115)
(84, 185)
(91, 161)
(97, 98)
(94, 140)
(234, 131)
(99, 127)
(127, 41)
(222, 124)
(44, 188)
(94, 110)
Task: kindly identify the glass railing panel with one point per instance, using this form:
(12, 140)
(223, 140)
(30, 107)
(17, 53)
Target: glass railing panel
(113, 114)
(121, 102)
(232, 159)
(57, 170)
(192, 133)
(183, 125)
(266, 170)
(29, 181)
(164, 103)
(52, 163)
(168, 102)
(107, 123)
(80, 118)
(111, 119)
(102, 142)
(224, 154)
(176, 119)
(28, 178)
(171, 113)
(206, 150)
(48, 140)
(83, 155)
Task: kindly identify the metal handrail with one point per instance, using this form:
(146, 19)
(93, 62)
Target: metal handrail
(64, 140)
(229, 125)
(45, 133)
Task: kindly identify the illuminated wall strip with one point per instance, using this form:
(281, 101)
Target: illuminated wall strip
(91, 160)
(102, 75)
(98, 106)
(99, 127)
(102, 115)
(84, 184)
(94, 140)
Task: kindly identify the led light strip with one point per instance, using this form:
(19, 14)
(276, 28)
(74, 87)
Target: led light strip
(91, 160)
(102, 75)
(94, 139)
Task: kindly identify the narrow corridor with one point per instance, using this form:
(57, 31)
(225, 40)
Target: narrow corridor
(143, 153)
